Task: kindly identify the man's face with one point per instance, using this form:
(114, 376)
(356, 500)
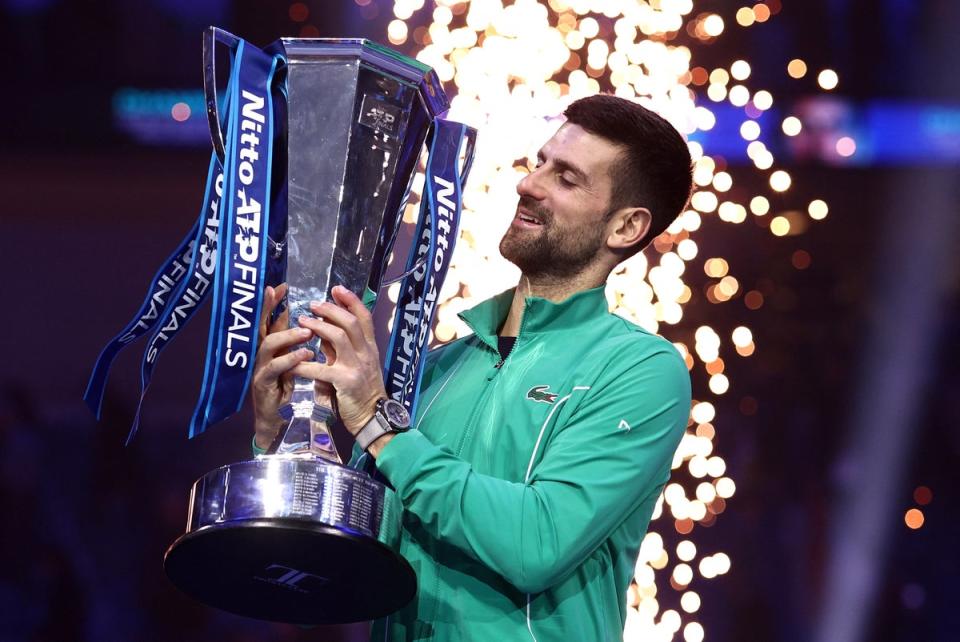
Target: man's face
(560, 224)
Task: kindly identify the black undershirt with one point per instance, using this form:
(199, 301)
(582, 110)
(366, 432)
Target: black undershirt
(505, 345)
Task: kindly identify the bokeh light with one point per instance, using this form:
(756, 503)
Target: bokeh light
(797, 68)
(713, 25)
(828, 79)
(780, 181)
(817, 209)
(690, 602)
(397, 32)
(750, 130)
(763, 100)
(759, 205)
(693, 632)
(846, 146)
(791, 126)
(914, 518)
(745, 16)
(180, 112)
(298, 12)
(740, 69)
(780, 226)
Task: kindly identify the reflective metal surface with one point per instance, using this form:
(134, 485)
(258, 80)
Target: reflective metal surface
(295, 487)
(210, 38)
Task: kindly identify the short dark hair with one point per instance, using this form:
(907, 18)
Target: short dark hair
(656, 172)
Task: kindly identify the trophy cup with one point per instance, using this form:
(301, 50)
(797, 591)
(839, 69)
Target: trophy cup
(294, 535)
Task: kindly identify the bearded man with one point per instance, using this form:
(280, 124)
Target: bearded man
(543, 440)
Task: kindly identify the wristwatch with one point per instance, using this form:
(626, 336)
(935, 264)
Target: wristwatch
(390, 417)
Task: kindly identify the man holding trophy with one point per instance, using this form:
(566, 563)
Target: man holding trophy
(516, 469)
(529, 473)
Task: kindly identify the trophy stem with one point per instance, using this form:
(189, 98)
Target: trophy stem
(308, 430)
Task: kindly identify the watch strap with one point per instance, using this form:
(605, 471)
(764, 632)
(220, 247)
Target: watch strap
(374, 429)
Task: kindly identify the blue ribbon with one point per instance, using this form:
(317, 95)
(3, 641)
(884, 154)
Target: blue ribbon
(435, 238)
(244, 243)
(193, 290)
(162, 290)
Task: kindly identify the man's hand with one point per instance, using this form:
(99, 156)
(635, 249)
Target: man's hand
(272, 369)
(353, 368)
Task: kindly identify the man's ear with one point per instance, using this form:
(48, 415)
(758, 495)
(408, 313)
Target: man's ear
(627, 227)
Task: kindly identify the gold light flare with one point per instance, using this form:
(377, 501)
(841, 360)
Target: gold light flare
(797, 68)
(511, 70)
(745, 16)
(914, 518)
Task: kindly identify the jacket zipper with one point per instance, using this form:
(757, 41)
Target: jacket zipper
(468, 426)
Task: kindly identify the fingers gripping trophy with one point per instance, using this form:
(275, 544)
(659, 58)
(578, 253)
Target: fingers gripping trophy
(316, 142)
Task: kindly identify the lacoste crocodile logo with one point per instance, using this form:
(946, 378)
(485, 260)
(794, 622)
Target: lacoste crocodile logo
(539, 393)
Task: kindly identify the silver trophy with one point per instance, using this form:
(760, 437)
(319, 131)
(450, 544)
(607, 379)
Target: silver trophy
(293, 535)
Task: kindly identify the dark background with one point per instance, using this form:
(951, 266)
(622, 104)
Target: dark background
(87, 215)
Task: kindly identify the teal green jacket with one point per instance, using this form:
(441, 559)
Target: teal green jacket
(528, 483)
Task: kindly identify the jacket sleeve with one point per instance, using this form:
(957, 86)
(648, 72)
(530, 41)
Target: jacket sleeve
(613, 451)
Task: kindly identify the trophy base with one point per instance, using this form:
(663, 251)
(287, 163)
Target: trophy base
(288, 570)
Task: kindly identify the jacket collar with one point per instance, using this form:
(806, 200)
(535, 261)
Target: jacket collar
(539, 315)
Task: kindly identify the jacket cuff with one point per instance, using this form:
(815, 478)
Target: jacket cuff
(399, 459)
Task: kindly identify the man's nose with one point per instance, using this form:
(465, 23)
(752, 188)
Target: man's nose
(531, 186)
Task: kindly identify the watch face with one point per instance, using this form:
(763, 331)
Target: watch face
(396, 414)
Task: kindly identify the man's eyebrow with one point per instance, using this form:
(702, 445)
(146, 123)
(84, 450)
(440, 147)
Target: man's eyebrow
(566, 166)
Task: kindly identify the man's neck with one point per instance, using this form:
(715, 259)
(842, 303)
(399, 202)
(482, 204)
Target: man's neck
(555, 290)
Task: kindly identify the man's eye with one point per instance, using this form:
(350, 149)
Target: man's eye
(565, 181)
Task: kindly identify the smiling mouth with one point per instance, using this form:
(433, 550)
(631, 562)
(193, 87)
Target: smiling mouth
(528, 218)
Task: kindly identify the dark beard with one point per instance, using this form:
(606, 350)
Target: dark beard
(549, 251)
